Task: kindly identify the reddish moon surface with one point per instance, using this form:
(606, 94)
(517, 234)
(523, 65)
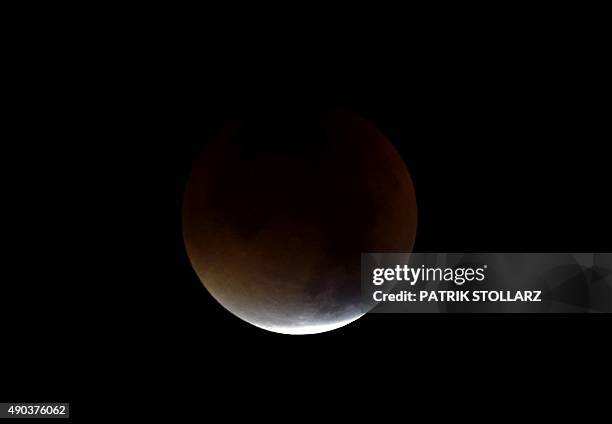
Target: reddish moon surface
(277, 211)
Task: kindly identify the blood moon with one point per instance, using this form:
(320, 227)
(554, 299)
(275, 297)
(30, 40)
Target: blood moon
(278, 209)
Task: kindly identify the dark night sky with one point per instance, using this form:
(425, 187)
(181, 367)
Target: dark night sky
(506, 153)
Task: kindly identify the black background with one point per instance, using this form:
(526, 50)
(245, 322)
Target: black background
(505, 142)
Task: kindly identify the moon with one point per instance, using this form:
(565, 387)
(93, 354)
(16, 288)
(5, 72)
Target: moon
(278, 209)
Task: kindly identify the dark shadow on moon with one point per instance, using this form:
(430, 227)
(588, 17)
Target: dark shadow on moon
(278, 210)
